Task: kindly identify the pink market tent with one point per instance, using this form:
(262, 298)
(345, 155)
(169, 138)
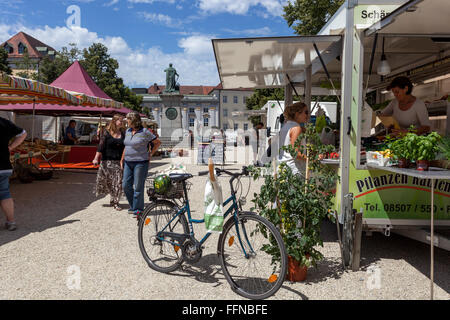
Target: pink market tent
(78, 83)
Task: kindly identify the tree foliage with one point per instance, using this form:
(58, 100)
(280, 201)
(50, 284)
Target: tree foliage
(4, 65)
(51, 69)
(296, 205)
(261, 96)
(307, 17)
(100, 66)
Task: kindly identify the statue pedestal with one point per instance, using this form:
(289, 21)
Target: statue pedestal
(171, 114)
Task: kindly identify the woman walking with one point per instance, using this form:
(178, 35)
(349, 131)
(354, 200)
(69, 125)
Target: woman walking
(109, 153)
(296, 115)
(135, 161)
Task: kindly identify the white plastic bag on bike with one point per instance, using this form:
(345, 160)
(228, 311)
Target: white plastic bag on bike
(174, 169)
(213, 206)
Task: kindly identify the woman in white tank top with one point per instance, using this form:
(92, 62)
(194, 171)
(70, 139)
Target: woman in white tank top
(295, 115)
(406, 108)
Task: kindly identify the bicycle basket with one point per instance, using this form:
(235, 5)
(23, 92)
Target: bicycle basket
(175, 190)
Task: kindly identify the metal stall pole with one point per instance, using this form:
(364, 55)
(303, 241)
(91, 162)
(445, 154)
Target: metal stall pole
(432, 240)
(32, 123)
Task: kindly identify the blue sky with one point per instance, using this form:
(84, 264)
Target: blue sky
(146, 35)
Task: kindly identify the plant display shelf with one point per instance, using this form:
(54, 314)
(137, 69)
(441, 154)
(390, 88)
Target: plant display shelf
(433, 174)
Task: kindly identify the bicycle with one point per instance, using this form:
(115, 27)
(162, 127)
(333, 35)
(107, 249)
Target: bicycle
(246, 247)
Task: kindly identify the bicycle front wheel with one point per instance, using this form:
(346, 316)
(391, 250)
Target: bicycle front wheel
(163, 255)
(253, 256)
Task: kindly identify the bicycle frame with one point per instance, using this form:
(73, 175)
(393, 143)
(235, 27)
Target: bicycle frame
(186, 209)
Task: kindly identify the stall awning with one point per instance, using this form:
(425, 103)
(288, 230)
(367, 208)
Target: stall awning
(26, 91)
(72, 93)
(265, 62)
(417, 37)
(417, 17)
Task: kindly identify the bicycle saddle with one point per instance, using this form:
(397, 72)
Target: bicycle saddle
(177, 177)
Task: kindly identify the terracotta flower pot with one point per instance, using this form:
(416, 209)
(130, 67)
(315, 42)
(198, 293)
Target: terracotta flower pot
(422, 165)
(403, 163)
(296, 273)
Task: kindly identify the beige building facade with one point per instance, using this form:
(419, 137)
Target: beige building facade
(232, 101)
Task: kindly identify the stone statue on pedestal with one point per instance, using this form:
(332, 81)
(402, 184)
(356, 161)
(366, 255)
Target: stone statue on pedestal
(171, 79)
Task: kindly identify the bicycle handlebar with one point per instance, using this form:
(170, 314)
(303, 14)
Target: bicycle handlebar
(244, 172)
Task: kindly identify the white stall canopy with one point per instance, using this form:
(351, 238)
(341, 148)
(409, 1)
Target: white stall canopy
(417, 41)
(270, 62)
(417, 17)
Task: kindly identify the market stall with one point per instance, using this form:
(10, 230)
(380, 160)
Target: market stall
(415, 35)
(88, 100)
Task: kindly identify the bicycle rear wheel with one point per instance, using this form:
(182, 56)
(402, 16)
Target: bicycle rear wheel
(247, 247)
(161, 255)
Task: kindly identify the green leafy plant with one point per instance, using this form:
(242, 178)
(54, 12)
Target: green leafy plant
(297, 205)
(321, 123)
(404, 147)
(427, 146)
(416, 147)
(444, 148)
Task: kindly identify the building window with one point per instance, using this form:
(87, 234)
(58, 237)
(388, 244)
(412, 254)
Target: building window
(22, 48)
(224, 99)
(245, 126)
(191, 122)
(205, 122)
(245, 100)
(235, 99)
(205, 110)
(225, 126)
(225, 112)
(8, 48)
(236, 126)
(191, 110)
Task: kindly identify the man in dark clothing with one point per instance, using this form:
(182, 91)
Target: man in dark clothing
(70, 137)
(8, 131)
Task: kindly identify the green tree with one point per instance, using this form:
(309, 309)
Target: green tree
(102, 68)
(260, 98)
(307, 17)
(51, 69)
(4, 65)
(99, 65)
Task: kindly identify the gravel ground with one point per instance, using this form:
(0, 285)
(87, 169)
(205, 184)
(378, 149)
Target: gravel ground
(65, 231)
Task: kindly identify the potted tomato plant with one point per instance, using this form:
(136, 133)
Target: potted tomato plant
(297, 205)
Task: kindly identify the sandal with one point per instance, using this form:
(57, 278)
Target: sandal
(117, 207)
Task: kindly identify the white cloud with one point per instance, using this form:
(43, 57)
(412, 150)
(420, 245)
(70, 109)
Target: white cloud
(111, 3)
(273, 7)
(138, 67)
(265, 31)
(197, 45)
(150, 1)
(160, 18)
